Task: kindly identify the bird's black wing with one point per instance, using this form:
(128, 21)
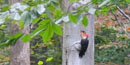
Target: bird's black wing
(84, 47)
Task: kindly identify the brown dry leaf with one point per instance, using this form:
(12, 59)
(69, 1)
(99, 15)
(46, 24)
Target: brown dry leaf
(126, 46)
(127, 10)
(128, 28)
(108, 23)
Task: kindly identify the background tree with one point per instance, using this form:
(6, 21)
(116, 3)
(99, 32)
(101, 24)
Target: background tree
(48, 16)
(71, 34)
(20, 52)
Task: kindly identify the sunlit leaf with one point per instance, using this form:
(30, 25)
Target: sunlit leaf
(65, 18)
(92, 10)
(15, 16)
(5, 8)
(26, 38)
(104, 3)
(7, 19)
(49, 59)
(47, 34)
(2, 26)
(4, 14)
(45, 22)
(43, 15)
(1, 21)
(73, 18)
(57, 29)
(73, 1)
(26, 17)
(95, 1)
(58, 13)
(128, 1)
(36, 33)
(41, 8)
(40, 63)
(18, 6)
(15, 36)
(105, 10)
(32, 52)
(13, 39)
(35, 20)
(21, 24)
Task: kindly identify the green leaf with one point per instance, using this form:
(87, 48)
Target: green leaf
(40, 27)
(21, 24)
(49, 59)
(26, 17)
(58, 14)
(32, 52)
(15, 16)
(57, 29)
(47, 34)
(15, 36)
(73, 1)
(40, 63)
(36, 33)
(73, 18)
(2, 26)
(12, 39)
(35, 20)
(28, 8)
(44, 22)
(51, 7)
(128, 1)
(85, 21)
(7, 19)
(26, 38)
(105, 10)
(43, 15)
(2, 45)
(48, 12)
(5, 8)
(95, 1)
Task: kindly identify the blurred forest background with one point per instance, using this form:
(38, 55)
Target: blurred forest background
(112, 35)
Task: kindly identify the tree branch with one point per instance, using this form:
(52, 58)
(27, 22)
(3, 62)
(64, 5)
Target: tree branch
(116, 18)
(123, 13)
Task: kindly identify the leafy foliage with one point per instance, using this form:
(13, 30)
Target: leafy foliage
(48, 15)
(44, 13)
(105, 36)
(49, 53)
(111, 48)
(40, 62)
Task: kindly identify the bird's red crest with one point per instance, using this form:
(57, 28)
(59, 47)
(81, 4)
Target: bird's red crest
(87, 34)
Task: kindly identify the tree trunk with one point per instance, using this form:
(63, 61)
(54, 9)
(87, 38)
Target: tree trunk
(20, 52)
(71, 34)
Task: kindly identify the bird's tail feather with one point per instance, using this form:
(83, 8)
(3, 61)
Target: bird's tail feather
(81, 54)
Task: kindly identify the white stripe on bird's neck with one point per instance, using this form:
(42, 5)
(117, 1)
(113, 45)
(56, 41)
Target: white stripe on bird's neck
(84, 37)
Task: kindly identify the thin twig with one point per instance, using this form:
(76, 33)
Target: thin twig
(120, 24)
(123, 13)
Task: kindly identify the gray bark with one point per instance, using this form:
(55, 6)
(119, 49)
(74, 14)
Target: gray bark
(20, 52)
(71, 34)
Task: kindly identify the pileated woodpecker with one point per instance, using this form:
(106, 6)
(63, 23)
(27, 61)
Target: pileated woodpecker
(84, 43)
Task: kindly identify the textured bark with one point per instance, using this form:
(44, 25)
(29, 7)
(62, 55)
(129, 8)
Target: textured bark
(20, 52)
(71, 34)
